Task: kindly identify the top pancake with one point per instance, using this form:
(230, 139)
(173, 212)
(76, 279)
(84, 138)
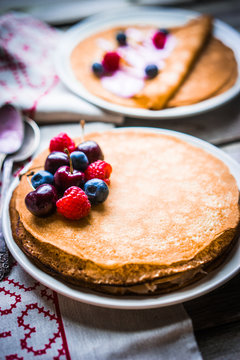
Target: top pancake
(190, 39)
(197, 68)
(168, 201)
(214, 72)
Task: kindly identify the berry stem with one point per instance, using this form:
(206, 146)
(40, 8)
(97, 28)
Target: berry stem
(82, 124)
(70, 160)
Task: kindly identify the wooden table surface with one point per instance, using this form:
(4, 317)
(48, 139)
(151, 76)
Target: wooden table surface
(215, 316)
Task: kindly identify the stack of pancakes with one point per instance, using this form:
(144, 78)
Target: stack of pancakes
(171, 216)
(199, 67)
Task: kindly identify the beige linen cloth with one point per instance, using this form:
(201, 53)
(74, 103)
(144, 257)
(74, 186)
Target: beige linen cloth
(27, 74)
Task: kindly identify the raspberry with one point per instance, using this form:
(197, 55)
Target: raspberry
(99, 169)
(74, 204)
(159, 39)
(61, 142)
(111, 61)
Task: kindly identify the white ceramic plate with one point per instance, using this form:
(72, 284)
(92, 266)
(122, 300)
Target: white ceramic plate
(160, 17)
(216, 278)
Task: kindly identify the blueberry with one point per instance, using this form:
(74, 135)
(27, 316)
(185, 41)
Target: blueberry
(164, 31)
(98, 69)
(96, 191)
(121, 38)
(151, 71)
(79, 160)
(42, 177)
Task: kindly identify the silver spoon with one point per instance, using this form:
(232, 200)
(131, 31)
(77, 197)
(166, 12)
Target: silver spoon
(11, 131)
(29, 146)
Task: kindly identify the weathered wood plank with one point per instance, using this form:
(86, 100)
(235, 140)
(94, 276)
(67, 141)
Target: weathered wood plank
(222, 305)
(220, 343)
(218, 126)
(227, 11)
(219, 307)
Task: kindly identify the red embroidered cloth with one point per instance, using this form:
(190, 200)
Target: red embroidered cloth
(27, 73)
(26, 308)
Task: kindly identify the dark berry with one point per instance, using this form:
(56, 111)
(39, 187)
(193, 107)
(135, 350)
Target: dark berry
(55, 160)
(42, 201)
(64, 178)
(98, 69)
(164, 31)
(111, 61)
(42, 177)
(92, 150)
(121, 38)
(79, 160)
(151, 71)
(96, 191)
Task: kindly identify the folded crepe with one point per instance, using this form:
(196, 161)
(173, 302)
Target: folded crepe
(198, 67)
(190, 39)
(214, 72)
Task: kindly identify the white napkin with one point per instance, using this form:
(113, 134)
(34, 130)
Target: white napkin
(27, 75)
(95, 333)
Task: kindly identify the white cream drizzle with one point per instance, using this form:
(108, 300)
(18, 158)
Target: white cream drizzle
(140, 52)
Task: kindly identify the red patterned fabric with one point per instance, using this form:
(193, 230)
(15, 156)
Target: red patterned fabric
(26, 60)
(27, 73)
(30, 321)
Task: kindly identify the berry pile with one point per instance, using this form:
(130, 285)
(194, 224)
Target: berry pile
(73, 179)
(111, 60)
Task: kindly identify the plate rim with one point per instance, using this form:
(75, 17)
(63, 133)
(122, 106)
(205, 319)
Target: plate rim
(63, 69)
(130, 302)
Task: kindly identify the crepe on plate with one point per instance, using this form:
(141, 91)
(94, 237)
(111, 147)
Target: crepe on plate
(197, 67)
(171, 215)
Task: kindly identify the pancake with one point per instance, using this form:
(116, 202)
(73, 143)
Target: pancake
(214, 72)
(197, 67)
(189, 41)
(172, 212)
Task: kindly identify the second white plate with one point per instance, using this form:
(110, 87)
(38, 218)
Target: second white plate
(134, 15)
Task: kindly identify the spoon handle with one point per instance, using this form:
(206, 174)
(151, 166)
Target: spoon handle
(4, 255)
(2, 158)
